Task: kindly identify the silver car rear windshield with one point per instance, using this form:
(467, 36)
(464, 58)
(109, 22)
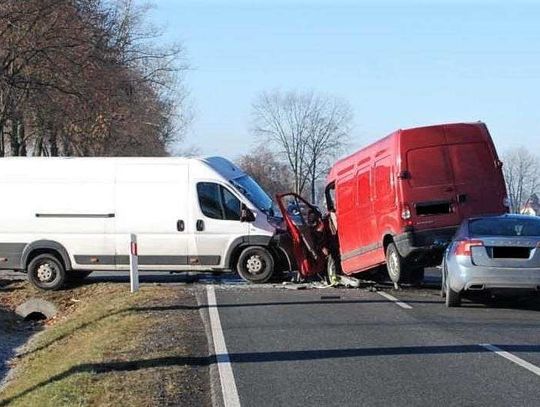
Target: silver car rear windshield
(506, 227)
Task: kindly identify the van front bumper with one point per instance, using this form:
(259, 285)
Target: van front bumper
(282, 242)
(425, 244)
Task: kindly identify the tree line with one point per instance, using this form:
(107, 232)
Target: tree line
(86, 78)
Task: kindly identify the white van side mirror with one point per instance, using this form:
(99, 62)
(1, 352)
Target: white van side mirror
(246, 215)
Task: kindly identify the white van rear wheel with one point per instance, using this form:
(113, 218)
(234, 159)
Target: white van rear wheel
(46, 272)
(255, 265)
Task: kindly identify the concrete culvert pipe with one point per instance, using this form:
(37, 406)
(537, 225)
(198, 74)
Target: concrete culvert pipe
(36, 309)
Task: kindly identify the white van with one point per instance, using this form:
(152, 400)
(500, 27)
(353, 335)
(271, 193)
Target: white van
(66, 217)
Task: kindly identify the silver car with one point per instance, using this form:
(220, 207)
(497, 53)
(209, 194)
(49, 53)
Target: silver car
(495, 253)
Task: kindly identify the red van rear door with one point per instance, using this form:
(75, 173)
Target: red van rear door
(479, 186)
(430, 190)
(453, 175)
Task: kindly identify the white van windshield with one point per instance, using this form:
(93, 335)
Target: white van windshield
(252, 191)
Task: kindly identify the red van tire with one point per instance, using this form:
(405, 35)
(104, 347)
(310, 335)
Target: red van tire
(331, 270)
(395, 264)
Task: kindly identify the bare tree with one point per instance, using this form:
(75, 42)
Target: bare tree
(522, 174)
(86, 77)
(308, 129)
(271, 173)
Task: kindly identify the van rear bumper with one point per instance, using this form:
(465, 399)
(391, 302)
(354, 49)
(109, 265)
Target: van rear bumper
(425, 243)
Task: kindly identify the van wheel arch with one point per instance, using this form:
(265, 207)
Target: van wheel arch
(387, 240)
(32, 250)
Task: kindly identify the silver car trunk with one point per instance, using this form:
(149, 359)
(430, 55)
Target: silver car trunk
(507, 252)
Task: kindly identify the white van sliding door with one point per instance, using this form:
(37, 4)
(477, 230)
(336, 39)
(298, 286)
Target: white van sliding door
(152, 202)
(217, 224)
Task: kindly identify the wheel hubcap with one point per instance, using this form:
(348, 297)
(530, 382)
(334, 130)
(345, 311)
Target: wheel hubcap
(46, 272)
(254, 264)
(394, 264)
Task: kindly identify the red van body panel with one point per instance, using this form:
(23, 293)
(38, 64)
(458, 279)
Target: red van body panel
(414, 187)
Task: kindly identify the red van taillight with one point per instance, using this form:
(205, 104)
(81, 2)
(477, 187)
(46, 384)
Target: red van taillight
(464, 247)
(406, 213)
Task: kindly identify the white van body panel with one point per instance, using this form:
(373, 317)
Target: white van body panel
(90, 206)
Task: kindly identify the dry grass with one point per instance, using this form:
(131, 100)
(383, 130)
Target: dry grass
(108, 347)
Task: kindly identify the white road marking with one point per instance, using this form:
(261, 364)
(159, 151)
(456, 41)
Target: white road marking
(226, 376)
(507, 355)
(394, 300)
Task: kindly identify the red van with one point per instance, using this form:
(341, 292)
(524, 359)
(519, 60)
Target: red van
(400, 200)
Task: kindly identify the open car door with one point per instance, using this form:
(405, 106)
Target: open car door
(308, 232)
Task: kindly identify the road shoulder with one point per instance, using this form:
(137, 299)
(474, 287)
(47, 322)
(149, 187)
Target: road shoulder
(109, 347)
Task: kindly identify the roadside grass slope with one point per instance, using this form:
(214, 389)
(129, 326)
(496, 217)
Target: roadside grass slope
(108, 347)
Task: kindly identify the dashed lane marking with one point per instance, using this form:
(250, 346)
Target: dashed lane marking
(507, 355)
(394, 300)
(226, 376)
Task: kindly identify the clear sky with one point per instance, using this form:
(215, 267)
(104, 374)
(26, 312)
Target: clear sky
(399, 63)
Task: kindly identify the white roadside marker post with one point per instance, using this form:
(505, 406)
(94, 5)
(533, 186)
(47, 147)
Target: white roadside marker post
(133, 264)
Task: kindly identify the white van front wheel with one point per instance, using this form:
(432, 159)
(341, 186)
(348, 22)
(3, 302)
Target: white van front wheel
(255, 265)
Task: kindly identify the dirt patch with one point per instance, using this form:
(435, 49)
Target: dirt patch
(109, 347)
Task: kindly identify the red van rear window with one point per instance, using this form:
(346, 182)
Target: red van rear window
(428, 167)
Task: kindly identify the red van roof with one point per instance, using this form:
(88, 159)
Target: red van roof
(344, 163)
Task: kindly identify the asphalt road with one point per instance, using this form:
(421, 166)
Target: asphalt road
(338, 347)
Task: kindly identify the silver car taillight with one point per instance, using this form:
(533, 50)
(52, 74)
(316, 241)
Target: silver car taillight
(464, 247)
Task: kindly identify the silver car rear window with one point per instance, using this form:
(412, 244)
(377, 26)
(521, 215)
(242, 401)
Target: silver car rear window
(527, 227)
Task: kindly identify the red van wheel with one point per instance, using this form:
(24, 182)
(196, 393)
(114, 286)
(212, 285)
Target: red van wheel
(395, 264)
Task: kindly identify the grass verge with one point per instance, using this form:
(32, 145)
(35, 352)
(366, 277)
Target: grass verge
(108, 347)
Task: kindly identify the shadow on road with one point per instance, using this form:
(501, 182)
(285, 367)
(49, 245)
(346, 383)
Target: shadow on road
(279, 356)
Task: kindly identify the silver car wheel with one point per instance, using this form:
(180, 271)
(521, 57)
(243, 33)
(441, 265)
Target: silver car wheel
(443, 280)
